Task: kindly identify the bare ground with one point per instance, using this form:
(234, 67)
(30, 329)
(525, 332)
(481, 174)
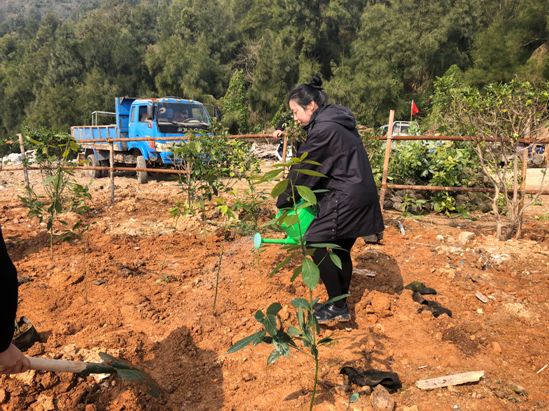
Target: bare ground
(139, 288)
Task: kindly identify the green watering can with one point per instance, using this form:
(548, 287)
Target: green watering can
(305, 217)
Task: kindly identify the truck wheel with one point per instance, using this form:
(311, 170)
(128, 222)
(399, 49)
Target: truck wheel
(142, 176)
(92, 161)
(104, 163)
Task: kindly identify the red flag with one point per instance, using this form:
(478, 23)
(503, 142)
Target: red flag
(414, 110)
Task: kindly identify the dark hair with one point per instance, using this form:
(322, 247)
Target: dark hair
(312, 91)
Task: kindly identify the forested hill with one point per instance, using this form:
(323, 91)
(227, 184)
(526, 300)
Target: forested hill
(59, 61)
(13, 12)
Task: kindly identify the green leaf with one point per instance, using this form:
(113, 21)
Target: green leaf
(301, 320)
(301, 303)
(325, 340)
(313, 322)
(354, 398)
(325, 245)
(269, 323)
(336, 260)
(310, 273)
(307, 194)
(339, 297)
(284, 342)
(308, 172)
(273, 357)
(280, 265)
(314, 163)
(281, 217)
(254, 338)
(297, 271)
(259, 316)
(304, 204)
(279, 188)
(289, 219)
(273, 309)
(293, 331)
(271, 175)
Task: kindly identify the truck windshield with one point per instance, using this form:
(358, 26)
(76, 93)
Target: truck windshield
(183, 115)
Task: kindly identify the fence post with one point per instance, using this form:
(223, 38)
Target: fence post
(524, 172)
(386, 159)
(24, 157)
(111, 170)
(284, 148)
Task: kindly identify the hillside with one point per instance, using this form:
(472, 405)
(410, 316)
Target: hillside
(12, 11)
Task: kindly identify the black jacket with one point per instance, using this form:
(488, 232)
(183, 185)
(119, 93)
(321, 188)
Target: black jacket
(350, 208)
(8, 296)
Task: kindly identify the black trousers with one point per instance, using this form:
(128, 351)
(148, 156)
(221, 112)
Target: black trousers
(336, 281)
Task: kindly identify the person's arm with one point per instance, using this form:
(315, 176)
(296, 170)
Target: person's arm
(281, 125)
(11, 359)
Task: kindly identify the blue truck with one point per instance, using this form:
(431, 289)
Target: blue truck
(140, 118)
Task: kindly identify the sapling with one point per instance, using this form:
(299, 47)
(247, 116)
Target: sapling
(228, 216)
(209, 164)
(53, 152)
(305, 335)
(499, 117)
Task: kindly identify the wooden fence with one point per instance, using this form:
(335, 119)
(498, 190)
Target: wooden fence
(389, 138)
(111, 168)
(384, 184)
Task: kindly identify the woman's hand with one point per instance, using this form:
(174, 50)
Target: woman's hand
(13, 361)
(277, 133)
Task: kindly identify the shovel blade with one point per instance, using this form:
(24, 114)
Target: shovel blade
(128, 372)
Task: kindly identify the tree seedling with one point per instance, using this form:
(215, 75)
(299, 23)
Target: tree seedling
(53, 152)
(304, 336)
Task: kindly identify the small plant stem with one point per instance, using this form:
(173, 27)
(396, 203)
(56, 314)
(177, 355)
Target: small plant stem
(314, 350)
(217, 275)
(315, 383)
(51, 243)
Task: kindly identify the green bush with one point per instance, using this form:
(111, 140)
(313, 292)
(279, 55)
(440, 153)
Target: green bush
(434, 163)
(235, 104)
(209, 161)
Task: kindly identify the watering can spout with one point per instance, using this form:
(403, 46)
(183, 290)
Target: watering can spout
(294, 232)
(259, 241)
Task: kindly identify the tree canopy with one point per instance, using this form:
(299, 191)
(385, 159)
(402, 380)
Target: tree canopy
(57, 66)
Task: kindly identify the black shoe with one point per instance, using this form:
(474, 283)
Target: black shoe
(317, 306)
(329, 313)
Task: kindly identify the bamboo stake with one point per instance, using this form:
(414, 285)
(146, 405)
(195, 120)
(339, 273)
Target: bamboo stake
(270, 137)
(461, 189)
(111, 171)
(24, 157)
(524, 172)
(386, 159)
(458, 138)
(180, 138)
(285, 148)
(285, 154)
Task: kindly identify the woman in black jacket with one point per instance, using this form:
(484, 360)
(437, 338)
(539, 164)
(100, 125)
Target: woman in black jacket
(350, 207)
(11, 359)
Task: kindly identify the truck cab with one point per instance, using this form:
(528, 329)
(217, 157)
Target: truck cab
(142, 118)
(164, 117)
